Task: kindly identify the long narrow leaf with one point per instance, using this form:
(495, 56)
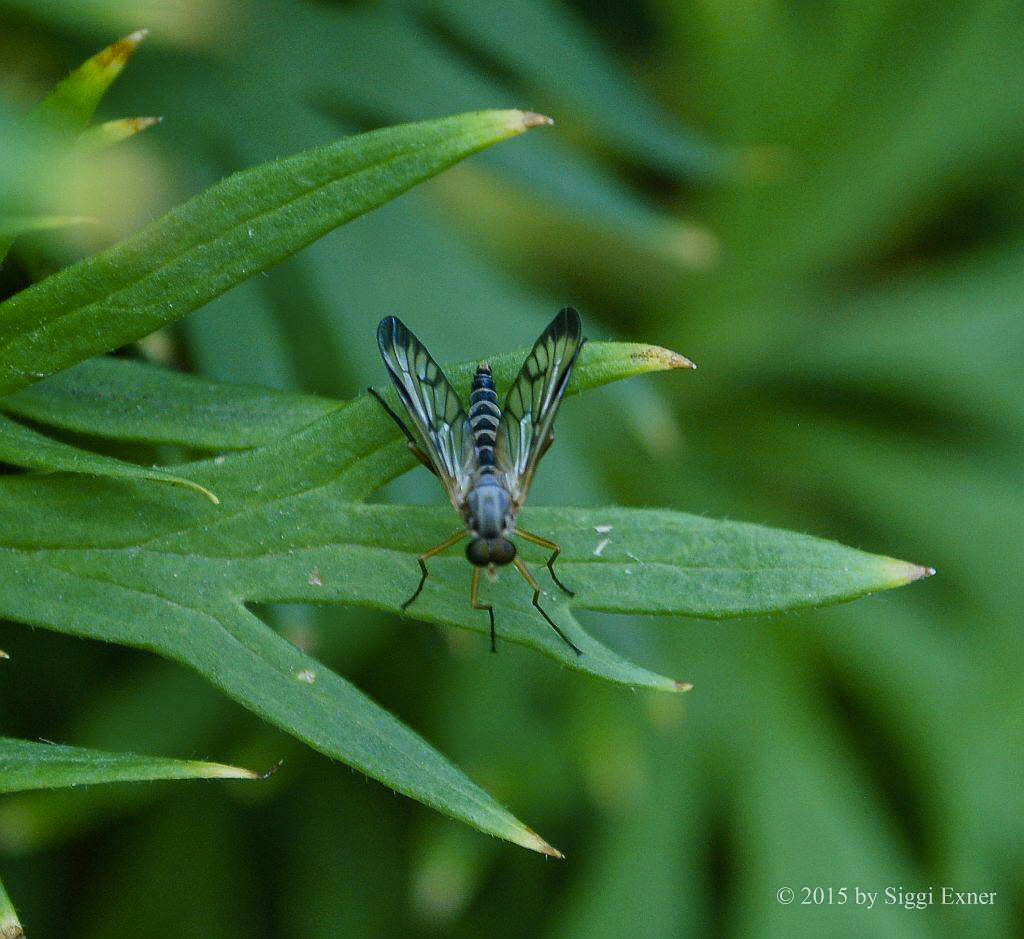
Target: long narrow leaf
(244, 224)
(22, 446)
(122, 399)
(75, 99)
(126, 564)
(129, 565)
(10, 926)
(25, 764)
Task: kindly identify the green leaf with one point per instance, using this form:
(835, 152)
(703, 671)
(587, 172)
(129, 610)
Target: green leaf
(127, 564)
(30, 164)
(13, 225)
(236, 228)
(68, 109)
(29, 765)
(124, 399)
(10, 926)
(658, 561)
(553, 53)
(75, 99)
(97, 138)
(22, 446)
(25, 764)
(130, 565)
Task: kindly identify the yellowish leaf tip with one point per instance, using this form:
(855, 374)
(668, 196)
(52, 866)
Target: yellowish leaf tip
(188, 484)
(222, 771)
(534, 842)
(683, 686)
(116, 54)
(212, 496)
(10, 928)
(533, 119)
(524, 120)
(3, 655)
(662, 358)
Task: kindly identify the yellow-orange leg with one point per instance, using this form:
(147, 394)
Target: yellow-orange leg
(474, 591)
(427, 555)
(555, 551)
(525, 571)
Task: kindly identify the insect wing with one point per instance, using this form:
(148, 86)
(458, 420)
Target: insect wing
(433, 404)
(532, 401)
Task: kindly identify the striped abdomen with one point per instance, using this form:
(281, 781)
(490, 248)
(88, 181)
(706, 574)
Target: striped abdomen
(484, 414)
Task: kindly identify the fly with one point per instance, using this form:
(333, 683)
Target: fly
(485, 459)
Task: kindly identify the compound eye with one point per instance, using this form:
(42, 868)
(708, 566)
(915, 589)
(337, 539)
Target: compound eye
(503, 551)
(477, 553)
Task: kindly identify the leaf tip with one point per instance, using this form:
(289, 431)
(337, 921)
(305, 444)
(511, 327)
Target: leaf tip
(223, 771)
(659, 358)
(903, 572)
(133, 39)
(212, 496)
(682, 686)
(116, 54)
(530, 839)
(3, 655)
(520, 121)
(10, 928)
(533, 119)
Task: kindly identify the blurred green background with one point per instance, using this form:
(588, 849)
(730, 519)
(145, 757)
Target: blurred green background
(820, 203)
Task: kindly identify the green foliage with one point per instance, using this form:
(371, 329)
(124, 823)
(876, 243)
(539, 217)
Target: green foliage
(28, 765)
(823, 208)
(10, 927)
(72, 104)
(56, 136)
(243, 225)
(126, 399)
(132, 567)
(22, 446)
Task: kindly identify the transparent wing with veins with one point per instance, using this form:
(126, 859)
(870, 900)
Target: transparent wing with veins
(433, 405)
(528, 415)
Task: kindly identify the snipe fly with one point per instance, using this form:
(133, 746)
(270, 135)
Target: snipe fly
(486, 459)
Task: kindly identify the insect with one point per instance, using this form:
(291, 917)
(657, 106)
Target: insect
(485, 459)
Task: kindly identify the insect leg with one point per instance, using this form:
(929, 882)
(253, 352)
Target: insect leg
(555, 551)
(544, 447)
(524, 570)
(427, 555)
(415, 447)
(473, 592)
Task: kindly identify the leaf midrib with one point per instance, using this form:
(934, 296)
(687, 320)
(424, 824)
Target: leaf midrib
(564, 560)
